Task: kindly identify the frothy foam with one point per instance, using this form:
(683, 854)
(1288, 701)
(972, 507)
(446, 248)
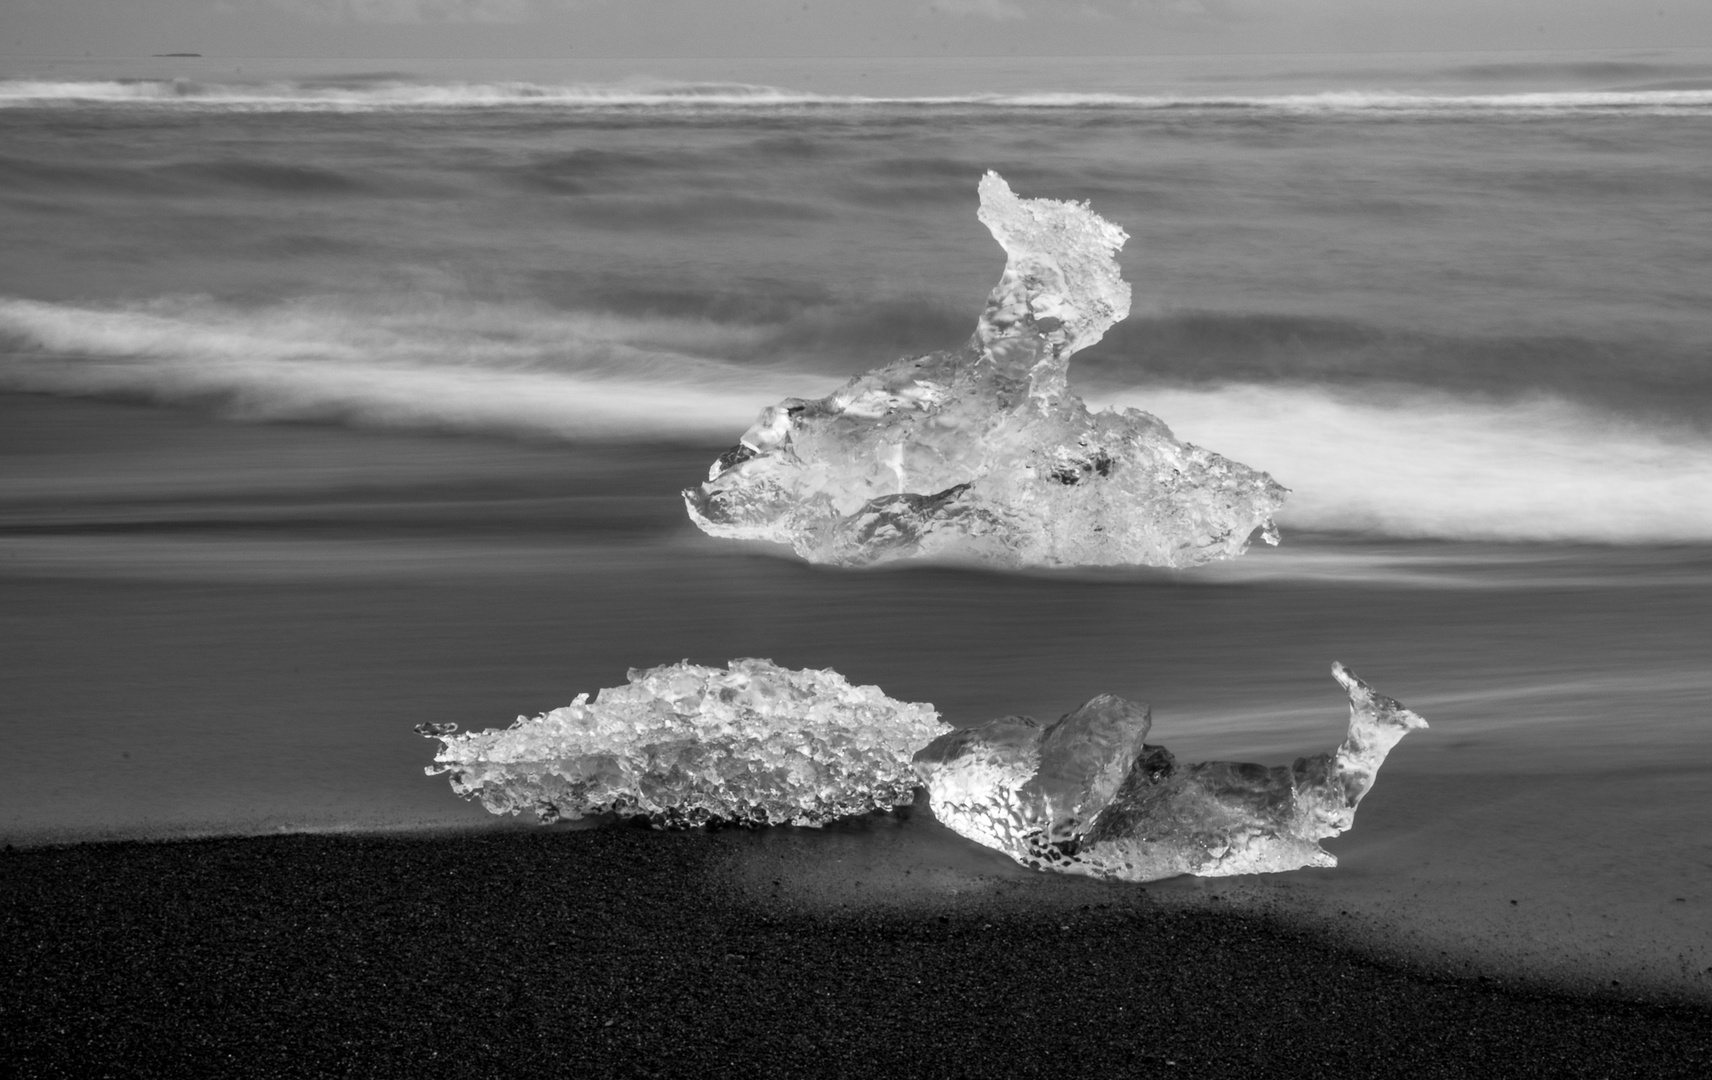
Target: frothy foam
(1431, 465)
(474, 368)
(401, 94)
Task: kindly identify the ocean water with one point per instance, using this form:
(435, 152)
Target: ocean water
(339, 397)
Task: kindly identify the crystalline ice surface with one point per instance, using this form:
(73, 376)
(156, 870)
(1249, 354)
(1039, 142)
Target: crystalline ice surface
(983, 454)
(1087, 795)
(683, 744)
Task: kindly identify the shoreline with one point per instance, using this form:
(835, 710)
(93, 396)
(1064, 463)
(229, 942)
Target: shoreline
(624, 951)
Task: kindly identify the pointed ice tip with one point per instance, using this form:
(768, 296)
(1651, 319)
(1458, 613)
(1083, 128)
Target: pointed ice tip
(1361, 694)
(1061, 289)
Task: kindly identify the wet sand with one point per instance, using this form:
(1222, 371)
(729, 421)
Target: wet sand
(625, 952)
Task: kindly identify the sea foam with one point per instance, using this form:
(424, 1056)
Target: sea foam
(478, 368)
(1422, 464)
(705, 97)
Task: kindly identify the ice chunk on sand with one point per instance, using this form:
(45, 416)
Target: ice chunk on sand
(1086, 794)
(983, 454)
(686, 744)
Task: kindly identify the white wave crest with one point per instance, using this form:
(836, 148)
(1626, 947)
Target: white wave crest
(409, 95)
(291, 96)
(459, 367)
(1419, 464)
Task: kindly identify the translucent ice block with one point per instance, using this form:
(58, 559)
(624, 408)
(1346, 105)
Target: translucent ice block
(684, 745)
(983, 454)
(1087, 794)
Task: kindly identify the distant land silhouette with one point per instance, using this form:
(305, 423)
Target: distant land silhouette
(177, 54)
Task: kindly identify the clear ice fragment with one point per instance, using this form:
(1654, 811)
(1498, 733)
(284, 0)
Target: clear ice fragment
(684, 745)
(1087, 795)
(983, 454)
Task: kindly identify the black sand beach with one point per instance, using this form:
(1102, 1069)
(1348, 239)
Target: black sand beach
(625, 952)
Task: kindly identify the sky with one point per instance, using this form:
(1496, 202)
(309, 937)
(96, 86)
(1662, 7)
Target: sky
(784, 28)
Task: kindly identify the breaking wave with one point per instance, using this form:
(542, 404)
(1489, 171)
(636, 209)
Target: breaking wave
(1399, 462)
(473, 368)
(373, 96)
(1413, 463)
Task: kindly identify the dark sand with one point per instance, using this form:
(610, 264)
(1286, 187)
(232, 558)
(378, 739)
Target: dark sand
(625, 952)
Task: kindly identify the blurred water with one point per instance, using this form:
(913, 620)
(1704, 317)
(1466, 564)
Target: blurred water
(213, 627)
(1501, 305)
(491, 332)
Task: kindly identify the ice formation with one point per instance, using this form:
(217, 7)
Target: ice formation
(684, 744)
(983, 453)
(1087, 795)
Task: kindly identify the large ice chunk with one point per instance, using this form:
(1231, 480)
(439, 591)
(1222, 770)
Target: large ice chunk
(983, 454)
(684, 744)
(1087, 795)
